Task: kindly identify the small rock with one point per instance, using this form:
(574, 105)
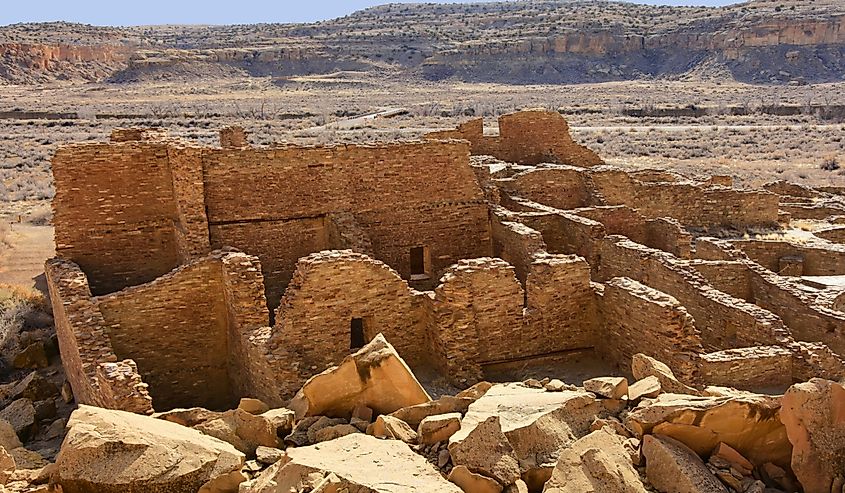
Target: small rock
(8, 437)
(7, 465)
(21, 415)
(443, 458)
(647, 387)
(27, 459)
(438, 428)
(268, 455)
(33, 356)
(45, 409)
(395, 428)
(608, 387)
(67, 392)
(362, 412)
(533, 383)
(518, 487)
(334, 432)
(55, 430)
(555, 386)
(471, 482)
(733, 458)
(253, 406)
(360, 424)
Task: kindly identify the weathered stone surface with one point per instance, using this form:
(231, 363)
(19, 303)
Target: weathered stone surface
(814, 416)
(8, 437)
(33, 387)
(471, 482)
(438, 428)
(536, 423)
(21, 415)
(268, 455)
(374, 376)
(27, 459)
(33, 356)
(253, 406)
(333, 432)
(358, 462)
(413, 415)
(486, 450)
(747, 422)
(188, 417)
(643, 366)
(647, 387)
(395, 428)
(608, 387)
(672, 467)
(596, 463)
(7, 466)
(109, 451)
(244, 430)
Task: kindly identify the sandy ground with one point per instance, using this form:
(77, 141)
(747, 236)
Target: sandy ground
(22, 260)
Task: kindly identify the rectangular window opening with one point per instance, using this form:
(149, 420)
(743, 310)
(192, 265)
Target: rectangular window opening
(420, 263)
(356, 334)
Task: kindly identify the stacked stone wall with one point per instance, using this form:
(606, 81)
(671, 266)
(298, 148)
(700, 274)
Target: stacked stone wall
(114, 212)
(816, 260)
(639, 319)
(175, 328)
(526, 137)
(760, 367)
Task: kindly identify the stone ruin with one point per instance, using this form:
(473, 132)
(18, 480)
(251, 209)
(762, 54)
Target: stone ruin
(196, 276)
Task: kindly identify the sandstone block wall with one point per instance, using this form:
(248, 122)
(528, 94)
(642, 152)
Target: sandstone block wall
(640, 319)
(517, 244)
(561, 187)
(91, 366)
(816, 260)
(114, 212)
(132, 211)
(176, 330)
(525, 137)
(760, 367)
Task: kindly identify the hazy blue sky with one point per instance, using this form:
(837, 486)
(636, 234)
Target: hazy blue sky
(134, 12)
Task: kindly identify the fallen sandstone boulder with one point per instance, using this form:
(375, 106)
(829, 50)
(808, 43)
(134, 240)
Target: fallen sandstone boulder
(244, 430)
(672, 467)
(355, 463)
(394, 428)
(596, 463)
(473, 483)
(439, 427)
(608, 387)
(375, 376)
(107, 451)
(814, 416)
(643, 366)
(536, 423)
(485, 450)
(749, 423)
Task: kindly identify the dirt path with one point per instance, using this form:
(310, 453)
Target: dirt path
(22, 260)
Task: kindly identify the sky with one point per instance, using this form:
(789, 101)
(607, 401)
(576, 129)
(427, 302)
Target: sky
(147, 12)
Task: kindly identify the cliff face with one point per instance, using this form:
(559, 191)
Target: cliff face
(538, 41)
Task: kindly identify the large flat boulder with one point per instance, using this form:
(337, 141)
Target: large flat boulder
(643, 366)
(356, 463)
(107, 451)
(750, 423)
(375, 377)
(536, 422)
(814, 416)
(672, 467)
(596, 463)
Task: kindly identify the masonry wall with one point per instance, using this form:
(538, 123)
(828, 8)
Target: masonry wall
(517, 244)
(561, 187)
(757, 368)
(91, 366)
(331, 288)
(724, 321)
(816, 260)
(640, 319)
(176, 330)
(525, 137)
(114, 212)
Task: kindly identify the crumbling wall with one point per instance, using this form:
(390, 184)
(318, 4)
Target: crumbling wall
(757, 368)
(175, 328)
(728, 276)
(191, 224)
(91, 366)
(560, 309)
(814, 259)
(330, 289)
(725, 322)
(477, 317)
(525, 137)
(517, 244)
(639, 319)
(561, 187)
(114, 212)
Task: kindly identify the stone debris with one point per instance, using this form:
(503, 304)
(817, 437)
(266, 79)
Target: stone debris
(438, 428)
(375, 376)
(814, 416)
(608, 387)
(355, 462)
(672, 467)
(115, 451)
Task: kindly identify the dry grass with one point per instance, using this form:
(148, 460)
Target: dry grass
(19, 308)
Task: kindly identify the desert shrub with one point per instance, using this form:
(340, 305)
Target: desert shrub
(20, 309)
(830, 163)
